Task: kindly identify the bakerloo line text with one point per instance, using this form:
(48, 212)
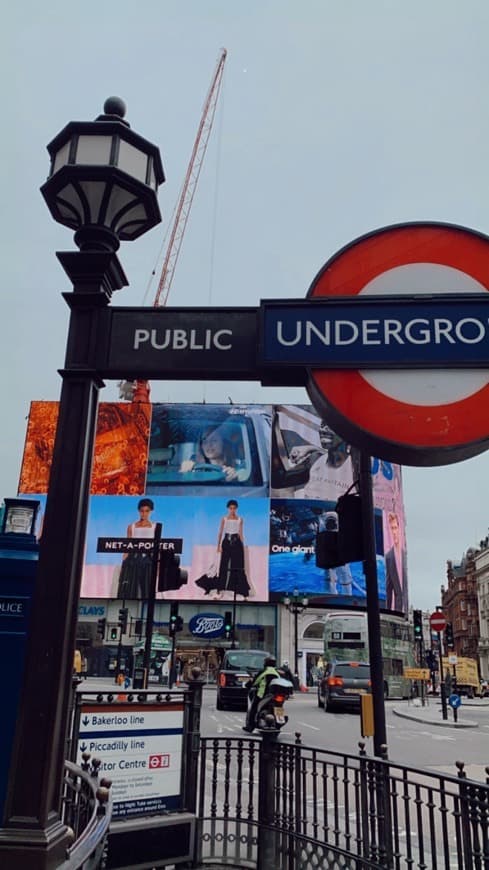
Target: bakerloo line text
(418, 330)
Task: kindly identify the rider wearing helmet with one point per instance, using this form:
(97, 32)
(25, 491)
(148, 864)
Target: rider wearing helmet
(258, 687)
(285, 668)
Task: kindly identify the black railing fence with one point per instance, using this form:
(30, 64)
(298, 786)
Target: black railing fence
(87, 810)
(268, 804)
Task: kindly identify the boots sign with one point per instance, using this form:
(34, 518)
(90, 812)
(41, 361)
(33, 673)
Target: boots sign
(392, 343)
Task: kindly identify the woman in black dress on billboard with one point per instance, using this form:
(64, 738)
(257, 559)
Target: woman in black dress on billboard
(135, 574)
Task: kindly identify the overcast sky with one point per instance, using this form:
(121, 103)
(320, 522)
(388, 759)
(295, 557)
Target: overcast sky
(336, 117)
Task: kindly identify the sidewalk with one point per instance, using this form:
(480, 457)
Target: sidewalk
(432, 714)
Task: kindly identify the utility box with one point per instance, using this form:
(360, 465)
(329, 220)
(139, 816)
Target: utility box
(139, 678)
(367, 716)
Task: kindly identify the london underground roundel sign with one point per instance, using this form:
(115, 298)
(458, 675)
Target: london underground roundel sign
(423, 416)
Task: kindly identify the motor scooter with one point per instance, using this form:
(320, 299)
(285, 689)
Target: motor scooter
(270, 713)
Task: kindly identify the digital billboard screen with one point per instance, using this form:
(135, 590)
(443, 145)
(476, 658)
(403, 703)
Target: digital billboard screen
(244, 486)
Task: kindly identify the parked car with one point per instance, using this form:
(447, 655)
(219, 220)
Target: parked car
(343, 684)
(238, 667)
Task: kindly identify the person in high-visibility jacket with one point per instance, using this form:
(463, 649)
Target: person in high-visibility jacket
(258, 688)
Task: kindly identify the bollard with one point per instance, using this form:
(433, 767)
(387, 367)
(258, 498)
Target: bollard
(193, 706)
(267, 849)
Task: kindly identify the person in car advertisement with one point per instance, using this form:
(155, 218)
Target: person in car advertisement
(216, 447)
(257, 690)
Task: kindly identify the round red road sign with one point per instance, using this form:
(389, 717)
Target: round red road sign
(416, 417)
(438, 621)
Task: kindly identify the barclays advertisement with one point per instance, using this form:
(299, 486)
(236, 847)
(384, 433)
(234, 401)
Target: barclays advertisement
(243, 488)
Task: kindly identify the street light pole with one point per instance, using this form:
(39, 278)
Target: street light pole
(296, 605)
(95, 167)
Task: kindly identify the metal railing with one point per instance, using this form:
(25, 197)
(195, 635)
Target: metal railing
(268, 804)
(86, 810)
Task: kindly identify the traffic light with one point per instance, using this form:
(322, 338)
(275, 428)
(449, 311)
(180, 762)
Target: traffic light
(138, 627)
(123, 614)
(340, 538)
(174, 617)
(418, 625)
(114, 633)
(228, 624)
(179, 623)
(101, 623)
(449, 636)
(350, 544)
(170, 575)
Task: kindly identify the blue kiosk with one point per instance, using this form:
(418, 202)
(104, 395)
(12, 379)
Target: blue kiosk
(19, 551)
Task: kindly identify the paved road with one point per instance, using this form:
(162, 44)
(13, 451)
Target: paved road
(416, 743)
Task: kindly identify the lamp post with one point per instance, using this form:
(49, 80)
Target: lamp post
(296, 604)
(103, 184)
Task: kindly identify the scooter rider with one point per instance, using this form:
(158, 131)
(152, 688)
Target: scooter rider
(257, 689)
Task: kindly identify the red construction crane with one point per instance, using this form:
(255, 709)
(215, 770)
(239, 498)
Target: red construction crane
(138, 391)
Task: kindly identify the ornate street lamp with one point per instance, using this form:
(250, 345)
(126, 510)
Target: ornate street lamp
(103, 184)
(103, 180)
(296, 604)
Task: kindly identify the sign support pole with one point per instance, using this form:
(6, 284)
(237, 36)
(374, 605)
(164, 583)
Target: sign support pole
(443, 694)
(373, 611)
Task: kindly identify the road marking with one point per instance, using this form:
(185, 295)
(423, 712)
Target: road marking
(443, 737)
(306, 725)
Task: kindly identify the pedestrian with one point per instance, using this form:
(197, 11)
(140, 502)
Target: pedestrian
(288, 675)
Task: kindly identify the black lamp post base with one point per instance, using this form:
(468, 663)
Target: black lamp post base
(26, 848)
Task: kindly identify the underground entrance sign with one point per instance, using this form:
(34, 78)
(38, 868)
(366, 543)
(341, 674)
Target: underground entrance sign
(392, 343)
(141, 750)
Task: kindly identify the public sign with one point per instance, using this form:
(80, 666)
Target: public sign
(180, 342)
(140, 746)
(455, 701)
(452, 659)
(207, 625)
(392, 343)
(438, 621)
(417, 417)
(416, 673)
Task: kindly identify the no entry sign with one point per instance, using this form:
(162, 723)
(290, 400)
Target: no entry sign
(420, 417)
(438, 621)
